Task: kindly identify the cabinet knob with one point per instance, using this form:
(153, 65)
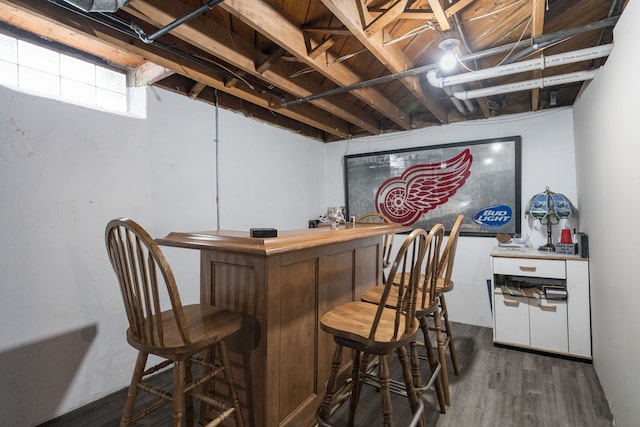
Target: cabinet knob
(548, 307)
(527, 268)
(511, 303)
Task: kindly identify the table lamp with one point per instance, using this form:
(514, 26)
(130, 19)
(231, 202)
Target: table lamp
(549, 208)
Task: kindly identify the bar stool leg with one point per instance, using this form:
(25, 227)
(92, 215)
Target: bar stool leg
(414, 400)
(355, 386)
(228, 375)
(132, 393)
(385, 393)
(332, 387)
(178, 395)
(442, 356)
(447, 328)
(433, 363)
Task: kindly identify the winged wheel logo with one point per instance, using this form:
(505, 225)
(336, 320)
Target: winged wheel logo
(421, 188)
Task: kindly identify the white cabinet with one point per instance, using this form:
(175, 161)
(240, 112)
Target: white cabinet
(524, 317)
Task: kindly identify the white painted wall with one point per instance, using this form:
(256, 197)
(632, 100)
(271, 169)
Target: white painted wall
(608, 170)
(64, 172)
(547, 160)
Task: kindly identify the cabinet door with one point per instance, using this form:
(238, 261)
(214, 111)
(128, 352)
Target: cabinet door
(510, 319)
(548, 325)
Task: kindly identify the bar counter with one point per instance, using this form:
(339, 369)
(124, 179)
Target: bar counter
(283, 285)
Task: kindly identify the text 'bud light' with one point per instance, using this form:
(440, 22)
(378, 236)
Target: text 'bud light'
(493, 216)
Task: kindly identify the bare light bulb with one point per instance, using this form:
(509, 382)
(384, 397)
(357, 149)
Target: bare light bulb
(449, 46)
(448, 61)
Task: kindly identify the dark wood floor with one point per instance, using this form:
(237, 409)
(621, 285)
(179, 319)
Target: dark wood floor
(495, 387)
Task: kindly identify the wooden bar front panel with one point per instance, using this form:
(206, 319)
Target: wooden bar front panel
(282, 356)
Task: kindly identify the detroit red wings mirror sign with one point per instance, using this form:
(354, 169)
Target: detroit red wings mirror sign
(423, 187)
(419, 187)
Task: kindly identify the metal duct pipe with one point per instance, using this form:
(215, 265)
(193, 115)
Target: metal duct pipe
(553, 38)
(455, 101)
(470, 106)
(521, 67)
(98, 5)
(527, 85)
(164, 30)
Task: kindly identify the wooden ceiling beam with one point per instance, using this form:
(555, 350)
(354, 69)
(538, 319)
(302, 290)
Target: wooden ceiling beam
(150, 73)
(272, 59)
(457, 7)
(334, 31)
(268, 21)
(389, 16)
(537, 29)
(196, 89)
(102, 35)
(321, 48)
(216, 41)
(420, 14)
(408, 14)
(390, 56)
(20, 16)
(441, 16)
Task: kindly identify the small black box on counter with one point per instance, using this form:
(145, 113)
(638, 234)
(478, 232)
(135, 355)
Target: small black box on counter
(263, 232)
(583, 245)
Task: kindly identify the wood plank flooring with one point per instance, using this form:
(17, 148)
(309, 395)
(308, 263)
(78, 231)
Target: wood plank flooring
(495, 387)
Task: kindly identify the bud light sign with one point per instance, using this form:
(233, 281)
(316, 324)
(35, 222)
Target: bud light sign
(493, 216)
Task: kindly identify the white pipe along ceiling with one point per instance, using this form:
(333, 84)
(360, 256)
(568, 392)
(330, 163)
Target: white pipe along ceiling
(521, 67)
(527, 85)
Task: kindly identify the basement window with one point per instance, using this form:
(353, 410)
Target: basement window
(50, 73)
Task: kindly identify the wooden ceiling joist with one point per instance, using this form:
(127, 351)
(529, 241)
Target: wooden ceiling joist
(321, 48)
(441, 16)
(389, 16)
(265, 19)
(196, 89)
(537, 27)
(272, 59)
(328, 69)
(150, 73)
(308, 114)
(240, 54)
(20, 16)
(390, 56)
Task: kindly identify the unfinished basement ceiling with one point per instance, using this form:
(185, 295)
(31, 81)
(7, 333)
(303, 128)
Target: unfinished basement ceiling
(339, 69)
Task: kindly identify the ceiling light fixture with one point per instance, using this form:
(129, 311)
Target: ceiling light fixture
(449, 59)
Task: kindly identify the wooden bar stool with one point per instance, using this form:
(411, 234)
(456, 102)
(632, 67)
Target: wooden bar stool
(387, 244)
(381, 330)
(443, 327)
(427, 306)
(176, 335)
(440, 318)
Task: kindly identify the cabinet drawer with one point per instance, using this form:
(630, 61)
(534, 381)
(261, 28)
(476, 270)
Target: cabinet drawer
(530, 267)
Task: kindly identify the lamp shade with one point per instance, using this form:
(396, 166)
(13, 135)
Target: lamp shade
(549, 208)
